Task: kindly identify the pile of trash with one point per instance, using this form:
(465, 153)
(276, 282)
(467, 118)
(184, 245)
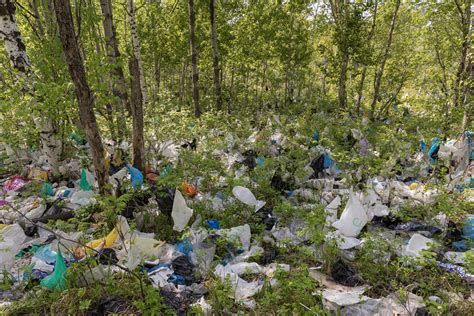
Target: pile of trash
(178, 269)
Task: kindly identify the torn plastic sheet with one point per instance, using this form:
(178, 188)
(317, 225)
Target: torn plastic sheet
(416, 244)
(336, 298)
(242, 289)
(241, 233)
(331, 210)
(11, 239)
(342, 241)
(390, 305)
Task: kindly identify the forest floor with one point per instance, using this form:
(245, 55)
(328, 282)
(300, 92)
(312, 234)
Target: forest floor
(274, 217)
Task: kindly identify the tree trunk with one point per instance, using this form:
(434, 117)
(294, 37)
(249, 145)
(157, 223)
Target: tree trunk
(462, 73)
(11, 35)
(467, 99)
(360, 88)
(136, 48)
(194, 57)
(119, 86)
(342, 90)
(16, 52)
(138, 142)
(157, 77)
(215, 56)
(379, 74)
(83, 92)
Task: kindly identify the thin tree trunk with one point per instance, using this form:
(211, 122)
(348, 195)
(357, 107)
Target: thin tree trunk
(157, 76)
(136, 48)
(194, 57)
(215, 56)
(340, 14)
(465, 16)
(379, 74)
(83, 92)
(119, 86)
(360, 88)
(231, 92)
(138, 142)
(342, 90)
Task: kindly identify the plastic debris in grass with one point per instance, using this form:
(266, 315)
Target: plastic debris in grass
(57, 280)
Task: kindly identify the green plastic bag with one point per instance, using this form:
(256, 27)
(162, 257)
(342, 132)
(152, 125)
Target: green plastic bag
(47, 189)
(83, 184)
(56, 281)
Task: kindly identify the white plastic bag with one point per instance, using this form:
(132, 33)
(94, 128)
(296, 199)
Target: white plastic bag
(245, 196)
(353, 218)
(181, 213)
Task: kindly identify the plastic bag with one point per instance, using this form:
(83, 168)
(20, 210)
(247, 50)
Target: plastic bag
(84, 183)
(15, 183)
(11, 239)
(181, 213)
(47, 189)
(57, 280)
(137, 176)
(82, 197)
(245, 196)
(353, 218)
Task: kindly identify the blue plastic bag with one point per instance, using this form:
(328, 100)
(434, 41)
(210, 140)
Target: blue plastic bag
(434, 149)
(137, 176)
(213, 224)
(328, 162)
(184, 247)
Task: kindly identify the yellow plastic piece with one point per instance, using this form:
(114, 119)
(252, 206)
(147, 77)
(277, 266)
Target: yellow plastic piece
(413, 186)
(107, 241)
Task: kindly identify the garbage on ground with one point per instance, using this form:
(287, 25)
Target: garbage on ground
(57, 280)
(247, 254)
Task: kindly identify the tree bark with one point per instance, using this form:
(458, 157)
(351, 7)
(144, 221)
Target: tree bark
(119, 86)
(136, 48)
(157, 76)
(215, 56)
(342, 90)
(340, 14)
(83, 92)
(138, 142)
(16, 51)
(379, 74)
(360, 88)
(194, 57)
(11, 35)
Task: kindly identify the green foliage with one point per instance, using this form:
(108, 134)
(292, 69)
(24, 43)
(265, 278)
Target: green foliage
(292, 294)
